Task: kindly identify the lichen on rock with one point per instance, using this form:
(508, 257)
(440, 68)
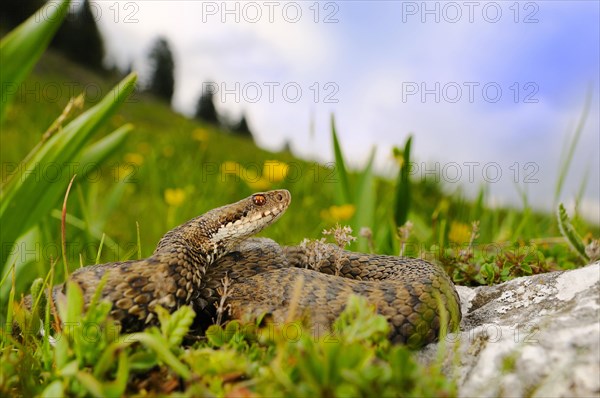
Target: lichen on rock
(532, 336)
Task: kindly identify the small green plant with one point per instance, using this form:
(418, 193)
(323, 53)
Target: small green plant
(568, 232)
(473, 265)
(354, 360)
(84, 355)
(482, 269)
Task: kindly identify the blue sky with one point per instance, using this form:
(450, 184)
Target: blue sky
(371, 55)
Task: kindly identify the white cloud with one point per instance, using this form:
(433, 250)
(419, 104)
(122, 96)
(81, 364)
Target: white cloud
(205, 48)
(370, 73)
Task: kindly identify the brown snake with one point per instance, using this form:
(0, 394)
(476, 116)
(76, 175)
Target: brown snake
(190, 261)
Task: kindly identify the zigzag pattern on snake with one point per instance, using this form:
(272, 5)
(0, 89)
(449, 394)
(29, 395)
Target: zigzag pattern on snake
(190, 261)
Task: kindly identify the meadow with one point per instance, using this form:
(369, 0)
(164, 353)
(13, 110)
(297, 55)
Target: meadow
(101, 177)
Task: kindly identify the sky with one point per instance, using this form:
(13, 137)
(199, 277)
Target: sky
(491, 91)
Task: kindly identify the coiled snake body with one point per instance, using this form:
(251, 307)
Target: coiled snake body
(190, 261)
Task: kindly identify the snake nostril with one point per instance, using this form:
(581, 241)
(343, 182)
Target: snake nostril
(279, 197)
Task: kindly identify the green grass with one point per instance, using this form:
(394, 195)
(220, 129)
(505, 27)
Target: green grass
(168, 169)
(90, 358)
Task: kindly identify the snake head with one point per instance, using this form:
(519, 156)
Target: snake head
(231, 224)
(220, 230)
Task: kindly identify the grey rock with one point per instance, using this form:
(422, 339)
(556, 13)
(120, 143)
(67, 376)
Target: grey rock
(533, 336)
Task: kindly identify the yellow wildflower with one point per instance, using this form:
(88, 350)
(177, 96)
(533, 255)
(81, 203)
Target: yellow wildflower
(134, 158)
(254, 181)
(200, 134)
(459, 232)
(259, 184)
(125, 171)
(274, 170)
(338, 213)
(174, 197)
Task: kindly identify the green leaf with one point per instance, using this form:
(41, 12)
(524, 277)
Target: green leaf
(53, 390)
(143, 360)
(91, 384)
(216, 336)
(176, 326)
(160, 347)
(61, 351)
(38, 297)
(117, 387)
(365, 201)
(343, 188)
(39, 195)
(526, 268)
(11, 299)
(70, 311)
(22, 47)
(359, 322)
(94, 155)
(107, 358)
(26, 264)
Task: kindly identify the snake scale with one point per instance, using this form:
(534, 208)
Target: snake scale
(190, 261)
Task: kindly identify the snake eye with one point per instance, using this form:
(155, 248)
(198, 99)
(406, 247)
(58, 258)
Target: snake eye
(259, 200)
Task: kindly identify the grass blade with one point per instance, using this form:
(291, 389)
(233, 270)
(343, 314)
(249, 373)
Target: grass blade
(569, 233)
(343, 188)
(566, 161)
(365, 201)
(94, 155)
(21, 48)
(100, 250)
(139, 242)
(63, 227)
(11, 300)
(403, 191)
